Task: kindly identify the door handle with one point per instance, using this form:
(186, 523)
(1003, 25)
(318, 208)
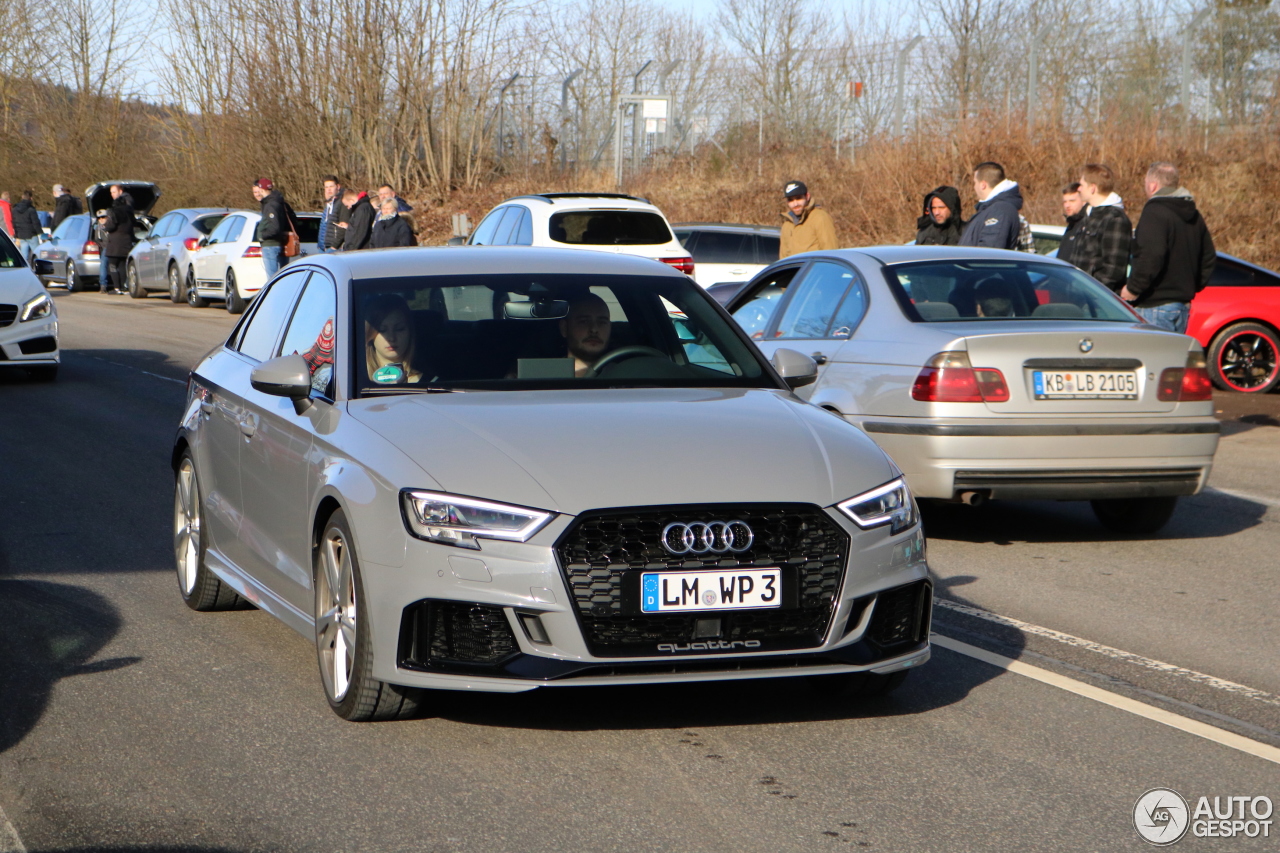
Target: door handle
(249, 426)
(819, 358)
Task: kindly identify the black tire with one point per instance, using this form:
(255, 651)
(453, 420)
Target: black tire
(1245, 358)
(177, 293)
(352, 692)
(234, 301)
(74, 285)
(194, 299)
(136, 290)
(1134, 515)
(44, 373)
(857, 685)
(200, 588)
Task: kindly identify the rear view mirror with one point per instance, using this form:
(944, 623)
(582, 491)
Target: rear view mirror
(287, 376)
(545, 309)
(795, 368)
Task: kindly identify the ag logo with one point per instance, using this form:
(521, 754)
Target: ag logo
(1161, 816)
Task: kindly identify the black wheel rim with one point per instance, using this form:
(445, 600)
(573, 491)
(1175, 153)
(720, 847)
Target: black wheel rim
(1247, 361)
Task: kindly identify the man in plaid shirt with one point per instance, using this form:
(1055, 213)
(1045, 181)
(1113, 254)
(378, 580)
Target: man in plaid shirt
(1102, 249)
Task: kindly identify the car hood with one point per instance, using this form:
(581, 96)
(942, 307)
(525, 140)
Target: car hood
(17, 285)
(144, 194)
(571, 451)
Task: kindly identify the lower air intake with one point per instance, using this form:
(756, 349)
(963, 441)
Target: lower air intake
(901, 616)
(450, 633)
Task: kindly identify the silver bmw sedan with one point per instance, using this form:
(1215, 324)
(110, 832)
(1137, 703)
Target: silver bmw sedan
(993, 374)
(518, 468)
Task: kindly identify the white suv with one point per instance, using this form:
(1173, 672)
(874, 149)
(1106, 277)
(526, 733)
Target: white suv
(602, 222)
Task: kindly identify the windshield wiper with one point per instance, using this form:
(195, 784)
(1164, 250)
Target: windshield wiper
(408, 389)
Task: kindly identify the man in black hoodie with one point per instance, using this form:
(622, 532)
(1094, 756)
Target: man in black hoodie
(64, 205)
(359, 225)
(941, 224)
(26, 222)
(275, 225)
(997, 223)
(119, 228)
(1173, 253)
(1073, 212)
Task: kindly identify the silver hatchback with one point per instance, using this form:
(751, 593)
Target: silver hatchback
(519, 468)
(993, 374)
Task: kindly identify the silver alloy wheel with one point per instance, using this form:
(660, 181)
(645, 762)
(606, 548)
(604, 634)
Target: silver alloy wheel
(186, 526)
(71, 275)
(336, 614)
(174, 284)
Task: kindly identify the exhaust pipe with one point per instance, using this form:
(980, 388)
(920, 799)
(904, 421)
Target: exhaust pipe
(973, 498)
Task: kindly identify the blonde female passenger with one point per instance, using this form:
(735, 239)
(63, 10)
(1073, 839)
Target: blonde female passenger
(389, 347)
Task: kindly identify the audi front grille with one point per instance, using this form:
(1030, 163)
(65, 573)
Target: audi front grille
(604, 553)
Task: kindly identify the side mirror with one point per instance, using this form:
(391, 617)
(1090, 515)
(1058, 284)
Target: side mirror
(202, 242)
(287, 376)
(795, 368)
(456, 241)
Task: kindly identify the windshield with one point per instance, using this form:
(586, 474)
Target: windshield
(609, 228)
(938, 291)
(10, 257)
(506, 332)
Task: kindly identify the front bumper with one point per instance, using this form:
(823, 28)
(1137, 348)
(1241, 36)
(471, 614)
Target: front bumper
(32, 343)
(440, 602)
(1049, 458)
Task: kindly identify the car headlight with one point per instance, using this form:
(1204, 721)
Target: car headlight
(890, 504)
(452, 520)
(36, 308)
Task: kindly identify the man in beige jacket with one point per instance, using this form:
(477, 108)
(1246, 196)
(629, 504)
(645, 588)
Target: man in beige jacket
(806, 227)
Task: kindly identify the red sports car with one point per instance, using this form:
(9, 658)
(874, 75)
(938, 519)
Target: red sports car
(1237, 320)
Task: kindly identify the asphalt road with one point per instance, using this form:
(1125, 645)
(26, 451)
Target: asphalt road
(128, 722)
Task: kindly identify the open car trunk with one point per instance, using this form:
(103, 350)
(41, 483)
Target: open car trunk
(144, 194)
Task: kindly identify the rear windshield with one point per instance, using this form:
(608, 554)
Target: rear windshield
(308, 229)
(609, 228)
(938, 291)
(205, 224)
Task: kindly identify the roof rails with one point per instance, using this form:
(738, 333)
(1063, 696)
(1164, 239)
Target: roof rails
(551, 197)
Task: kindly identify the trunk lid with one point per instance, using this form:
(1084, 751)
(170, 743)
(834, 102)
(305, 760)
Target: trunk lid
(144, 194)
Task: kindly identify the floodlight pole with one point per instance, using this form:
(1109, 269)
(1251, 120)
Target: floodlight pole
(900, 75)
(1033, 74)
(502, 116)
(1187, 34)
(564, 119)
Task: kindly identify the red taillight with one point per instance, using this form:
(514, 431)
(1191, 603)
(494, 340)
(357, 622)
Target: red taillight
(948, 378)
(90, 248)
(685, 265)
(252, 252)
(1185, 384)
(192, 243)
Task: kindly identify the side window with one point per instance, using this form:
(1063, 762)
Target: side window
(258, 340)
(1227, 274)
(850, 312)
(64, 229)
(176, 223)
(235, 225)
(483, 235)
(311, 332)
(506, 229)
(159, 229)
(524, 230)
(719, 247)
(811, 310)
(756, 312)
(220, 233)
(767, 249)
(686, 237)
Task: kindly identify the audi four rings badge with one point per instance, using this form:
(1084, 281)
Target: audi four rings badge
(714, 537)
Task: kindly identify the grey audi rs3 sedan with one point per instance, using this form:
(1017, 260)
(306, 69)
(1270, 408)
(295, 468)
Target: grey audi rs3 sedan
(516, 468)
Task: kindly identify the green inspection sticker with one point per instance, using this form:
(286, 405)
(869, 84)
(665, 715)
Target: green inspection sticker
(389, 374)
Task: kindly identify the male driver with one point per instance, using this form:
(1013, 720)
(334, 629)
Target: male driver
(997, 223)
(1173, 253)
(806, 227)
(1073, 212)
(586, 332)
(1102, 249)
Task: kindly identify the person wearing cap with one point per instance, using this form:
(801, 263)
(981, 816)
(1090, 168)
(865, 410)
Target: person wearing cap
(806, 227)
(64, 205)
(274, 226)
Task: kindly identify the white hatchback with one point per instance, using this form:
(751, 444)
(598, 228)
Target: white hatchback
(227, 265)
(600, 222)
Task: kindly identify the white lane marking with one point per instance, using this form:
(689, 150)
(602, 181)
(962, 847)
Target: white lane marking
(1245, 496)
(9, 840)
(1106, 697)
(1117, 654)
(140, 370)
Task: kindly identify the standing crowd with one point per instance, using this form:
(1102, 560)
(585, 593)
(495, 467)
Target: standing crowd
(1157, 268)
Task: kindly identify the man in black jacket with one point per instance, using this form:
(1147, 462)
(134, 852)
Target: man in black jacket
(391, 229)
(941, 224)
(997, 223)
(1102, 249)
(1073, 212)
(359, 224)
(119, 228)
(26, 223)
(64, 205)
(1173, 253)
(334, 211)
(274, 226)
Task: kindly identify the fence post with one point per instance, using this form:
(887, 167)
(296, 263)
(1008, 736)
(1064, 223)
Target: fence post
(637, 121)
(502, 117)
(1033, 75)
(900, 73)
(564, 121)
(1187, 34)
